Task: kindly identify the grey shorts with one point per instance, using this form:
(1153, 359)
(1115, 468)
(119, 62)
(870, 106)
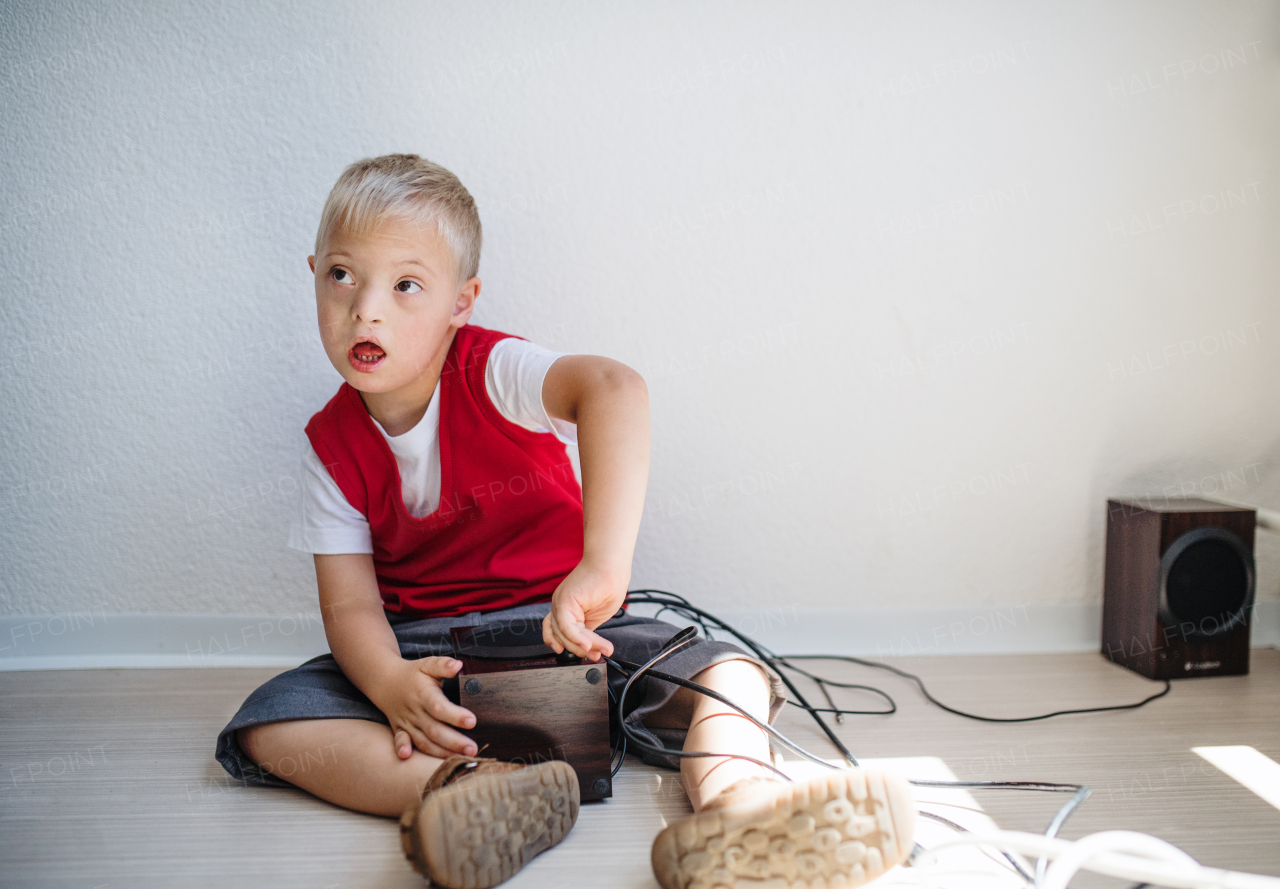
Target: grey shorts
(319, 690)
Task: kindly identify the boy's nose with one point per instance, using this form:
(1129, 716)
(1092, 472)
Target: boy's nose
(366, 307)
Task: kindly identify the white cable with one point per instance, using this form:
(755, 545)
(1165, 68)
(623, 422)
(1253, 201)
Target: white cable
(1083, 851)
(1121, 854)
(1268, 519)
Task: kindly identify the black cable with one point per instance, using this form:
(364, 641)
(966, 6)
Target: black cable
(622, 742)
(1011, 785)
(614, 770)
(823, 683)
(774, 660)
(650, 597)
(832, 704)
(932, 700)
(628, 667)
(677, 641)
(687, 616)
(1080, 793)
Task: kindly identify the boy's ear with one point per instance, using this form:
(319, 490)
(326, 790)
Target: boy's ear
(311, 261)
(465, 302)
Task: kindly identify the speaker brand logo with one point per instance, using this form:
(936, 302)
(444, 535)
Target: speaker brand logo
(1201, 665)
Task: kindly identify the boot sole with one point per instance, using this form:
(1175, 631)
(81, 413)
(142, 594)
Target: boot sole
(833, 832)
(480, 831)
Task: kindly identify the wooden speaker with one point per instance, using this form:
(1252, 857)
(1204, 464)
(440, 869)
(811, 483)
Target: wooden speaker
(1179, 587)
(532, 705)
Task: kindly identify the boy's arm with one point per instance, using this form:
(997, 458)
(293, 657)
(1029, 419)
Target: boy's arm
(365, 647)
(609, 402)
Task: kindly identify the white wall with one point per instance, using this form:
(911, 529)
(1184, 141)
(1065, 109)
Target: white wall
(915, 287)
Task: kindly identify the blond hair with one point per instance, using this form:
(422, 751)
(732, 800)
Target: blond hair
(409, 188)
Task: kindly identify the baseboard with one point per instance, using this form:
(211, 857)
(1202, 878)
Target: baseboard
(103, 640)
(87, 640)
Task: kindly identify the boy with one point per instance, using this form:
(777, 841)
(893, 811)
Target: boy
(438, 493)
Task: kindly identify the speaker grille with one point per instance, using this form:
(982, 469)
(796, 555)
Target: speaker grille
(1206, 582)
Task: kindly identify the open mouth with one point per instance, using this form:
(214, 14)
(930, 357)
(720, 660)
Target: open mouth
(365, 356)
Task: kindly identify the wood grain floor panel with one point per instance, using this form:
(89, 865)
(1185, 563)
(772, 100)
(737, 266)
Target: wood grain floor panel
(107, 777)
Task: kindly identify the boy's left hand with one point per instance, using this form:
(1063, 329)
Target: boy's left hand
(585, 599)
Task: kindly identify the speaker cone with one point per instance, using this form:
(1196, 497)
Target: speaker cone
(1206, 583)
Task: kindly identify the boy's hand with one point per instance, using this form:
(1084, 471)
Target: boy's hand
(585, 599)
(420, 714)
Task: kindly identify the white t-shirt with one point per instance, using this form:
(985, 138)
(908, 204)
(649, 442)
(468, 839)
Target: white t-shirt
(326, 523)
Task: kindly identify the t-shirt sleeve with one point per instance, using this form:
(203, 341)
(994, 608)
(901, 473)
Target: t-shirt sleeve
(513, 378)
(325, 523)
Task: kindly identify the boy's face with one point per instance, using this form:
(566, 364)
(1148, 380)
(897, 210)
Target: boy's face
(388, 303)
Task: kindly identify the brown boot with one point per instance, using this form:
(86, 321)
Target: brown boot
(481, 820)
(839, 830)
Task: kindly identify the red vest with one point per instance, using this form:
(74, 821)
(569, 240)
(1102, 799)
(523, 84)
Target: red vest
(509, 525)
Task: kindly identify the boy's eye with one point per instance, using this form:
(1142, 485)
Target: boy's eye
(408, 287)
(342, 276)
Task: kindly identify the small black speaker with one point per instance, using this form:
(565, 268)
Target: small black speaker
(1179, 587)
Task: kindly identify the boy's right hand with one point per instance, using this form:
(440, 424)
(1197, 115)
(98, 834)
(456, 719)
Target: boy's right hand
(419, 712)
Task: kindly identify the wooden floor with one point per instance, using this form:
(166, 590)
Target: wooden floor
(107, 778)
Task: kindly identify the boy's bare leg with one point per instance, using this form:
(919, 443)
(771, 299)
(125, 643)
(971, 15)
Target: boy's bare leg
(349, 762)
(842, 828)
(717, 728)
